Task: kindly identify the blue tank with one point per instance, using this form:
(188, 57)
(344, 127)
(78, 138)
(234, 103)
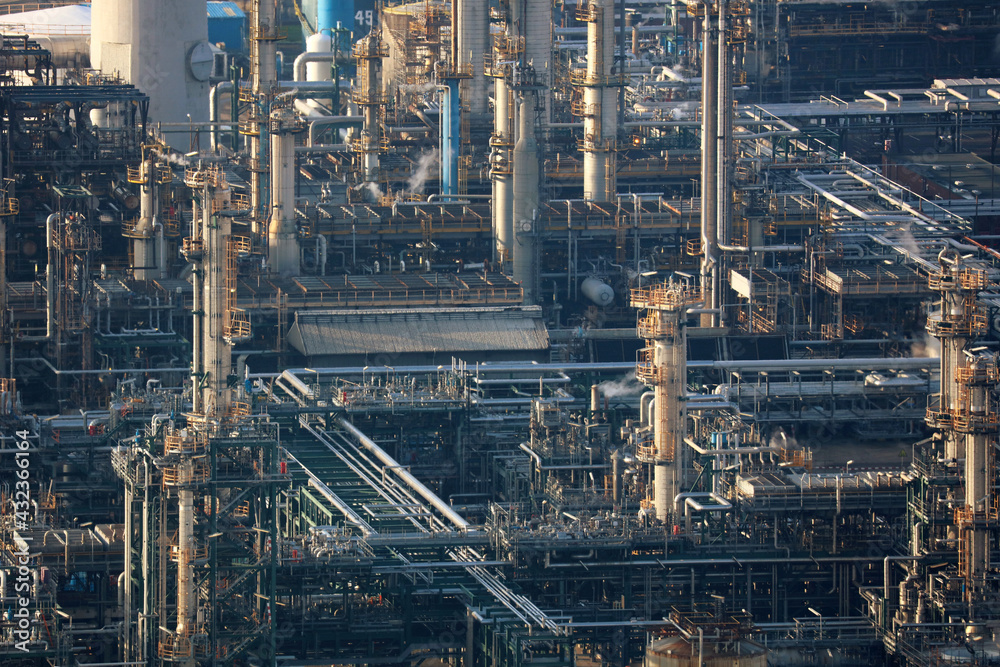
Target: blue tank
(323, 15)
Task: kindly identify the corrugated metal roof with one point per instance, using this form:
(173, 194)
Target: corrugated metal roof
(76, 17)
(224, 10)
(353, 332)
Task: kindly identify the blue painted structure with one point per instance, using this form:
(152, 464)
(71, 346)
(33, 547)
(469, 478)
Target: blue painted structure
(357, 16)
(227, 23)
(451, 123)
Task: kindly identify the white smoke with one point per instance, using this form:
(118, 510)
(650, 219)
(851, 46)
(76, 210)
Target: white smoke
(627, 385)
(174, 158)
(374, 190)
(905, 239)
(780, 439)
(417, 87)
(684, 110)
(928, 347)
(425, 163)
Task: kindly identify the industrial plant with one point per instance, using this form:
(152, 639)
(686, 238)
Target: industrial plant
(499, 333)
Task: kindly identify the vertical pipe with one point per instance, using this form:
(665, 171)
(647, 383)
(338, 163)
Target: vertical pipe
(709, 156)
(503, 192)
(450, 138)
(186, 602)
(50, 277)
(724, 122)
(198, 316)
(526, 197)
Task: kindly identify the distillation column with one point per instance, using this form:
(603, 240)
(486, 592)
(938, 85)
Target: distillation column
(526, 200)
(710, 111)
(599, 110)
(149, 260)
(473, 33)
(724, 133)
(663, 366)
(215, 347)
(213, 287)
(368, 53)
(965, 411)
(507, 49)
(263, 65)
(282, 235)
(143, 237)
(536, 28)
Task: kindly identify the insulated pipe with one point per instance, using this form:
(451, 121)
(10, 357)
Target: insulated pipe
(724, 129)
(721, 506)
(50, 278)
(315, 124)
(410, 480)
(644, 406)
(213, 109)
(709, 175)
(306, 57)
(859, 363)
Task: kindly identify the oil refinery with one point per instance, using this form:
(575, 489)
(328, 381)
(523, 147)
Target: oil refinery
(499, 333)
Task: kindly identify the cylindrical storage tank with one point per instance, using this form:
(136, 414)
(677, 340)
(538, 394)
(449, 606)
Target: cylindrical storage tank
(319, 71)
(159, 47)
(127, 198)
(679, 652)
(68, 51)
(597, 291)
(355, 15)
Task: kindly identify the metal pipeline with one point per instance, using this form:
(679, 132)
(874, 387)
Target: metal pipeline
(299, 66)
(50, 279)
(213, 108)
(410, 480)
(318, 121)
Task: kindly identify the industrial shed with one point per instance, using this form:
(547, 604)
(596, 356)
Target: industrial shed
(418, 335)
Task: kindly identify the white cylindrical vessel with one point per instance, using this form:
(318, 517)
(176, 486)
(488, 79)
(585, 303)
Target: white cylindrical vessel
(597, 291)
(159, 47)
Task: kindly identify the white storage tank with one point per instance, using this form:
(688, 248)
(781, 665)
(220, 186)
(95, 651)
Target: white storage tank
(159, 47)
(597, 291)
